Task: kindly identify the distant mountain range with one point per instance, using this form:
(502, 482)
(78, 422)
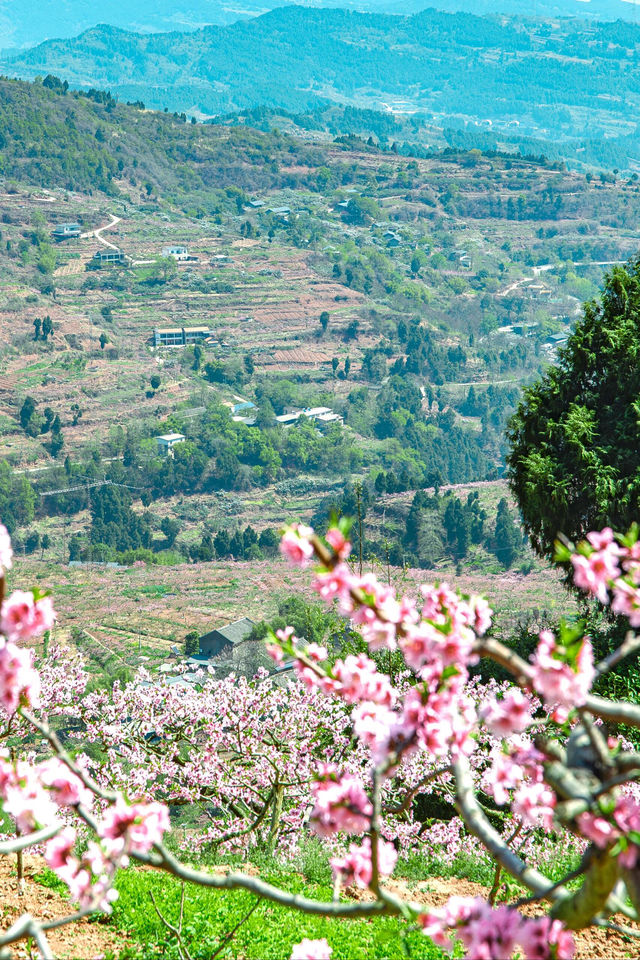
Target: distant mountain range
(547, 81)
(24, 23)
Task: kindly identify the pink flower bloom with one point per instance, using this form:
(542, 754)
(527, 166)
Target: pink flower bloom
(311, 950)
(339, 542)
(66, 788)
(380, 634)
(544, 938)
(25, 799)
(355, 866)
(58, 851)
(341, 805)
(19, 682)
(334, 584)
(595, 572)
(373, 723)
(137, 827)
(22, 617)
(597, 829)
(6, 552)
(512, 714)
(602, 539)
(626, 600)
(275, 652)
(502, 776)
(358, 679)
(535, 802)
(555, 680)
(627, 814)
(482, 614)
(295, 545)
(493, 933)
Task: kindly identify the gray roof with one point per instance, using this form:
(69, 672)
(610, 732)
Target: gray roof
(233, 632)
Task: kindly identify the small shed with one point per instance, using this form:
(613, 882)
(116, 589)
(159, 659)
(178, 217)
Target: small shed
(225, 638)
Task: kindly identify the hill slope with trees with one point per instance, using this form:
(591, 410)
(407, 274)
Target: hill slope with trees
(545, 79)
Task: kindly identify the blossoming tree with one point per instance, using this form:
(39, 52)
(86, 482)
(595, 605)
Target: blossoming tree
(344, 751)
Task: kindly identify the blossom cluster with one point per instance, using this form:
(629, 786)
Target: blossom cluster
(608, 567)
(621, 826)
(495, 933)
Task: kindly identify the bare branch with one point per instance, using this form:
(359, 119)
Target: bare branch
(406, 803)
(29, 839)
(25, 926)
(162, 859)
(176, 931)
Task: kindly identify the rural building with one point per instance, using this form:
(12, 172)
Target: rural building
(179, 336)
(177, 252)
(319, 414)
(108, 257)
(391, 238)
(225, 638)
(167, 441)
(66, 231)
(526, 329)
(557, 339)
(243, 405)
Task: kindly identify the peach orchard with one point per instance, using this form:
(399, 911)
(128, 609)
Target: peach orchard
(343, 750)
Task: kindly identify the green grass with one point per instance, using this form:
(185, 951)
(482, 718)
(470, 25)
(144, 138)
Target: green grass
(269, 933)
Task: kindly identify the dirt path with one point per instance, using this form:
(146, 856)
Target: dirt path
(98, 233)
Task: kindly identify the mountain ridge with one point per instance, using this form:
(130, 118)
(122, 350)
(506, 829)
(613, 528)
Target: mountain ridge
(549, 81)
(25, 23)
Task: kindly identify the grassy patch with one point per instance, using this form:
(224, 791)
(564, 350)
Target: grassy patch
(269, 933)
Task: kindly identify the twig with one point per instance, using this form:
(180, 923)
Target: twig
(29, 839)
(225, 940)
(162, 859)
(406, 803)
(25, 926)
(176, 931)
(618, 928)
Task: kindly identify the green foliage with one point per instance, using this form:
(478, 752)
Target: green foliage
(574, 463)
(192, 643)
(270, 932)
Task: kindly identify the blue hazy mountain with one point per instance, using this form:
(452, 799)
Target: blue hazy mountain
(24, 23)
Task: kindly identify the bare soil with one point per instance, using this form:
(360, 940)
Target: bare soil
(85, 940)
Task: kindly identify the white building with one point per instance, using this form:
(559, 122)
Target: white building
(167, 442)
(177, 252)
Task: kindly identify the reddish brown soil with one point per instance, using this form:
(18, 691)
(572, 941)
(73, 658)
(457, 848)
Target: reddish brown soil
(86, 940)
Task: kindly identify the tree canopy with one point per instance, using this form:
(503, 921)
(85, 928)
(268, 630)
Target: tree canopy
(574, 463)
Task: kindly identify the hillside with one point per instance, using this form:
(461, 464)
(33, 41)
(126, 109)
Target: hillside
(547, 80)
(89, 142)
(405, 299)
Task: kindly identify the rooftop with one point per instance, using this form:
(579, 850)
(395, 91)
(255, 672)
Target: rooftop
(237, 631)
(171, 437)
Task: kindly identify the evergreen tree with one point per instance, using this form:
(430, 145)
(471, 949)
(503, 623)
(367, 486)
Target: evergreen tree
(574, 463)
(506, 537)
